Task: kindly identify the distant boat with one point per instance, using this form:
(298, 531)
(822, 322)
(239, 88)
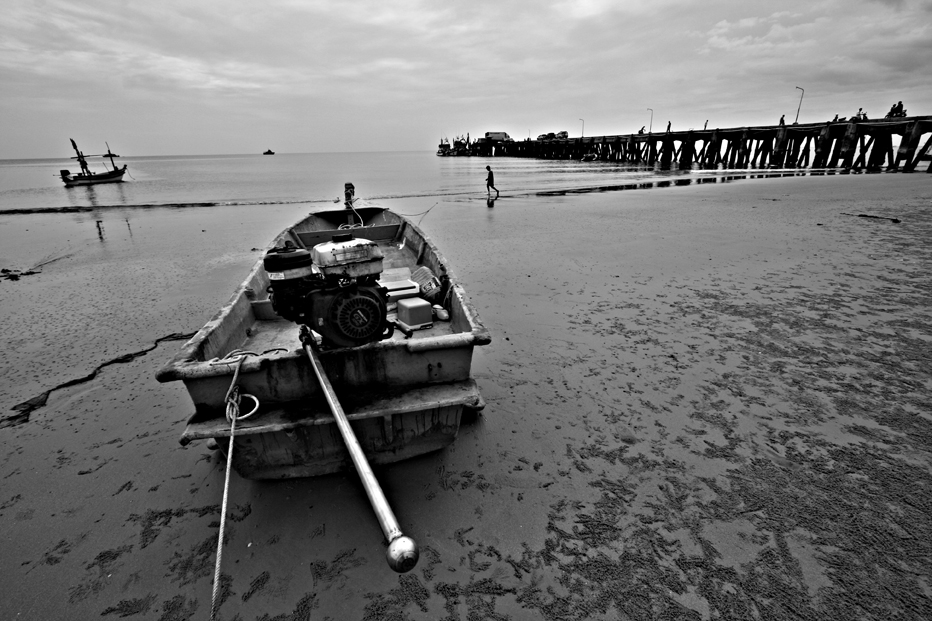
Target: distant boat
(460, 148)
(269, 152)
(86, 177)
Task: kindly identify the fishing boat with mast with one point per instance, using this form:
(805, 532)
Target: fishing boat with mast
(443, 149)
(86, 177)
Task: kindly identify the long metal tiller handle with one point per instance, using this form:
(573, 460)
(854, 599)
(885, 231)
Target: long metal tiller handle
(402, 552)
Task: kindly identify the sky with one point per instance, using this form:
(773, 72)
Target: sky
(193, 77)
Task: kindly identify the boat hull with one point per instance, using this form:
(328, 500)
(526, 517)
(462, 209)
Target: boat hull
(312, 445)
(319, 450)
(404, 396)
(114, 176)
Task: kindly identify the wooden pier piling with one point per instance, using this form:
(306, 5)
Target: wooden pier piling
(852, 145)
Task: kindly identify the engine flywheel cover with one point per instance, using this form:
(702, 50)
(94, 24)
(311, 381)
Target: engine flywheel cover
(358, 316)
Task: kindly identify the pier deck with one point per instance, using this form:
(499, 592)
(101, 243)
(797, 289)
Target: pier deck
(852, 145)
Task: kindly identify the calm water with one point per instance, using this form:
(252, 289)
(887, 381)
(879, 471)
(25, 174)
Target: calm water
(34, 185)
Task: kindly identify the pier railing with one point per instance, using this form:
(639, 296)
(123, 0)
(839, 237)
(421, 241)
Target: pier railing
(851, 145)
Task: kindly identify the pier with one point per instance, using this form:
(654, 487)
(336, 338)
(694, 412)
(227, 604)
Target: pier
(853, 145)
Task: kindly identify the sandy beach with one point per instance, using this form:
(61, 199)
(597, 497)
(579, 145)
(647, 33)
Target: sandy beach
(704, 402)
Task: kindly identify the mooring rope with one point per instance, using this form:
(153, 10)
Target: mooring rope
(232, 399)
(423, 214)
(238, 354)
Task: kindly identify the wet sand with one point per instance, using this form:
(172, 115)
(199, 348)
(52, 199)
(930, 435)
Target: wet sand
(703, 402)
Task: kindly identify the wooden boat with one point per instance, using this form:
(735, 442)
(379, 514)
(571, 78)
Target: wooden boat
(404, 394)
(86, 177)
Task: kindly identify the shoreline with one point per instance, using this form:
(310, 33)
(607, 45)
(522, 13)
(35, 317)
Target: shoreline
(710, 400)
(625, 178)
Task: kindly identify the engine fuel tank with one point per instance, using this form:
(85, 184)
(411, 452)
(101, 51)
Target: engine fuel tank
(347, 257)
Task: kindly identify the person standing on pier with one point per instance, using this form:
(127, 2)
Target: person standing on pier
(490, 182)
(782, 122)
(669, 123)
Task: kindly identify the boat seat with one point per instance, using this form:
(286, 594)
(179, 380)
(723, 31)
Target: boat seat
(382, 232)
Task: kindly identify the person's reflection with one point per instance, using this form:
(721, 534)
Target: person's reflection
(490, 202)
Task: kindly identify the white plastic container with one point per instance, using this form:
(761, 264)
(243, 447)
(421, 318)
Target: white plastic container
(401, 289)
(430, 286)
(415, 314)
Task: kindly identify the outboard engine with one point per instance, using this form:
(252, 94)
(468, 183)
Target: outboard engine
(332, 289)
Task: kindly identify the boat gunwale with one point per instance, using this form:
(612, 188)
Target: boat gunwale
(186, 365)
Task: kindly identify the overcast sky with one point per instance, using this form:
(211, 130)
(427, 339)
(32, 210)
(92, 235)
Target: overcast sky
(233, 76)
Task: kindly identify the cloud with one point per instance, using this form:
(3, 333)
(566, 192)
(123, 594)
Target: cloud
(366, 66)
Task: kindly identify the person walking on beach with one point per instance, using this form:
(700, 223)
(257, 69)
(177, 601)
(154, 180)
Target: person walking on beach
(490, 182)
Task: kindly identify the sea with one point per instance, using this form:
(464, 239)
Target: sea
(34, 185)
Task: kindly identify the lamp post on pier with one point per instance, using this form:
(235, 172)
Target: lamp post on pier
(800, 103)
(582, 133)
(651, 127)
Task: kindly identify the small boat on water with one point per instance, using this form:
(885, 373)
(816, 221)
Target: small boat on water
(86, 177)
(269, 152)
(589, 157)
(369, 292)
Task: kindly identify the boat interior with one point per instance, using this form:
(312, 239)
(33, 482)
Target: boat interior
(249, 324)
(402, 255)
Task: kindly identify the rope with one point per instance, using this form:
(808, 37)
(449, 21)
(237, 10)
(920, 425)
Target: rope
(361, 224)
(238, 354)
(232, 399)
(423, 214)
